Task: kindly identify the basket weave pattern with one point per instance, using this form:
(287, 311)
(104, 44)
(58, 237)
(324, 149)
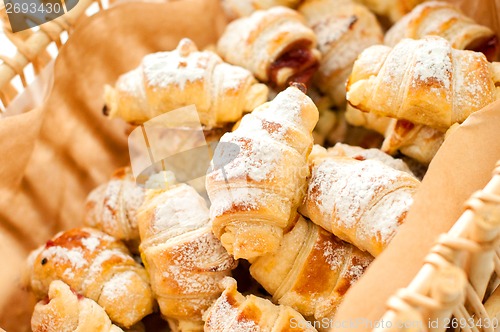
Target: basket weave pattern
(32, 47)
(460, 275)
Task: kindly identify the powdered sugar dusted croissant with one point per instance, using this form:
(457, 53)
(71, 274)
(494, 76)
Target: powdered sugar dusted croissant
(112, 206)
(233, 312)
(311, 271)
(165, 81)
(416, 141)
(275, 45)
(184, 259)
(393, 10)
(97, 266)
(423, 81)
(343, 29)
(255, 195)
(240, 8)
(361, 202)
(64, 310)
(359, 153)
(445, 20)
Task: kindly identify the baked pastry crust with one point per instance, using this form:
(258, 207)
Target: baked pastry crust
(276, 45)
(233, 312)
(166, 81)
(112, 207)
(343, 29)
(416, 141)
(256, 194)
(443, 19)
(64, 310)
(423, 81)
(97, 266)
(311, 271)
(361, 202)
(185, 261)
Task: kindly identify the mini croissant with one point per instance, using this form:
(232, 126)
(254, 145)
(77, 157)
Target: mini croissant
(343, 29)
(256, 193)
(423, 81)
(361, 202)
(112, 206)
(416, 141)
(311, 271)
(97, 266)
(165, 81)
(64, 310)
(443, 19)
(234, 312)
(275, 45)
(184, 259)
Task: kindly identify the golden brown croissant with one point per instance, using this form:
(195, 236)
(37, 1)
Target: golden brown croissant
(112, 206)
(445, 20)
(184, 259)
(255, 196)
(343, 29)
(311, 271)
(64, 310)
(168, 80)
(233, 312)
(392, 10)
(416, 141)
(239, 8)
(423, 81)
(275, 45)
(97, 266)
(361, 202)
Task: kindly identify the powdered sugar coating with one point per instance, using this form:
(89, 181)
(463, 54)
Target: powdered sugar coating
(74, 256)
(184, 259)
(364, 198)
(257, 41)
(87, 260)
(163, 69)
(180, 207)
(118, 285)
(423, 81)
(91, 243)
(273, 142)
(333, 255)
(221, 315)
(359, 153)
(432, 62)
(112, 207)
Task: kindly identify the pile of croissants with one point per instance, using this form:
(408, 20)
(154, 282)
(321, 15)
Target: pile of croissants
(304, 215)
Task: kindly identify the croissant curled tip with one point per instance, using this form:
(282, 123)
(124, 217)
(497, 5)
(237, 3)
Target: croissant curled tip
(227, 283)
(301, 86)
(186, 46)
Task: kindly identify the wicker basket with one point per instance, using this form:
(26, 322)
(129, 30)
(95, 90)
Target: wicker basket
(458, 274)
(32, 48)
